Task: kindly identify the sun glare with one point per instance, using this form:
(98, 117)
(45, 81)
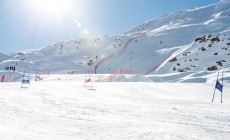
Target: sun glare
(60, 13)
(52, 7)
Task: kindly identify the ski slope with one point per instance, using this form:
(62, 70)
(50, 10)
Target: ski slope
(153, 82)
(199, 39)
(60, 107)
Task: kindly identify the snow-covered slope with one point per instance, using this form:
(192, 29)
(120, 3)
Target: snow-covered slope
(183, 47)
(196, 39)
(65, 109)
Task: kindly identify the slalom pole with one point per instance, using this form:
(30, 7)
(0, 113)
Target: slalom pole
(24, 74)
(91, 81)
(222, 85)
(85, 80)
(215, 88)
(10, 78)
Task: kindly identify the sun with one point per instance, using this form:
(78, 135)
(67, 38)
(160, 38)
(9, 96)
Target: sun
(52, 7)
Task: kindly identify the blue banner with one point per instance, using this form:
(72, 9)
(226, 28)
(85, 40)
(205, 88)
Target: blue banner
(219, 86)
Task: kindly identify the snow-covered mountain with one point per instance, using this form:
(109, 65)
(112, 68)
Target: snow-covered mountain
(196, 39)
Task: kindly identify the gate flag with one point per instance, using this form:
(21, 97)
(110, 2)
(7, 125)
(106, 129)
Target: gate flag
(219, 86)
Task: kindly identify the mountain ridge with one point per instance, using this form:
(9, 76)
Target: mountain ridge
(148, 48)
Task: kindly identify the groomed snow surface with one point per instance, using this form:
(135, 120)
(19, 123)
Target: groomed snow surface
(60, 107)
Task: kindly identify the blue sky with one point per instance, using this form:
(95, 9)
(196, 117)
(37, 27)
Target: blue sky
(30, 24)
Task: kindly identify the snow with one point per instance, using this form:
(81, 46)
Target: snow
(65, 109)
(145, 49)
(153, 82)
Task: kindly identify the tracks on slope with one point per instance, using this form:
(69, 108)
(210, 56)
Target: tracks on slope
(119, 53)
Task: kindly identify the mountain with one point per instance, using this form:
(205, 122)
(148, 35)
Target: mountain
(191, 40)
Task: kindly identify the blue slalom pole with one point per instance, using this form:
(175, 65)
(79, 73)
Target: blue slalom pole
(215, 88)
(223, 86)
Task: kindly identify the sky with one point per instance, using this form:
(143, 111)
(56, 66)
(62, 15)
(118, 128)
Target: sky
(31, 24)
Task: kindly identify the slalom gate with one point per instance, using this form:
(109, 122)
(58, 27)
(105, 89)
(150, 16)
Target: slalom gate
(6, 78)
(43, 74)
(25, 80)
(88, 83)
